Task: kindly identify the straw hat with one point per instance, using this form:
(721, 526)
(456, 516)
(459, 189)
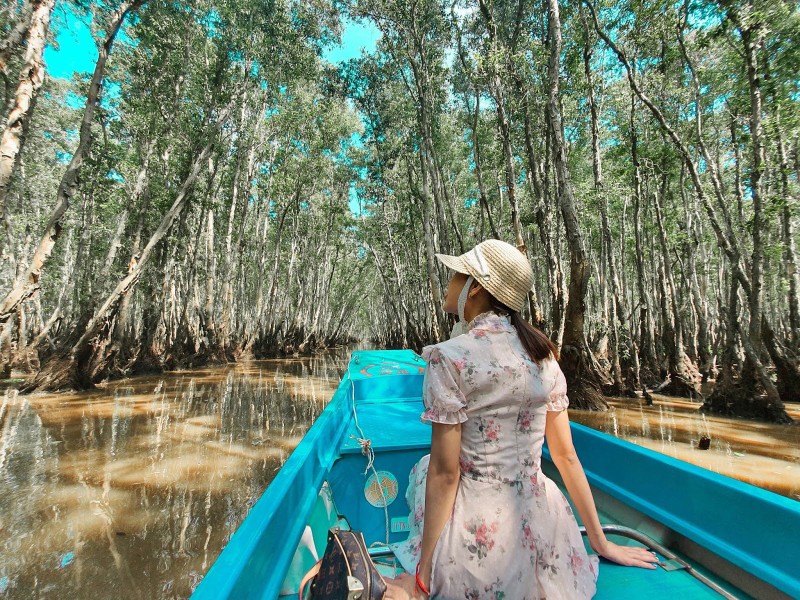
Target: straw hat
(499, 267)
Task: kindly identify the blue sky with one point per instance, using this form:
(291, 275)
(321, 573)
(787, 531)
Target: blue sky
(77, 53)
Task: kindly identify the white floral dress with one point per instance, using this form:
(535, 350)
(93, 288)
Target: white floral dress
(512, 534)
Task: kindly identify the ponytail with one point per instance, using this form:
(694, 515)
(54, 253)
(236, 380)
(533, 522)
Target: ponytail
(538, 345)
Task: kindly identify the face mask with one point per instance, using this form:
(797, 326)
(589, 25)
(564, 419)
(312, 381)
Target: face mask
(460, 328)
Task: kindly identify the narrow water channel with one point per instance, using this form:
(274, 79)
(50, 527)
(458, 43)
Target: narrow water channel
(762, 454)
(132, 490)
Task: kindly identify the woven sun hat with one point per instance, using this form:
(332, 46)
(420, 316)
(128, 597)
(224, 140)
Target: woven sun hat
(499, 267)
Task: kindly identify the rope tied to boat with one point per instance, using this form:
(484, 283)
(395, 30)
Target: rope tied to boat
(366, 449)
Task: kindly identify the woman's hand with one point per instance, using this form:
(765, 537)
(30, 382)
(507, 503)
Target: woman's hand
(629, 556)
(404, 587)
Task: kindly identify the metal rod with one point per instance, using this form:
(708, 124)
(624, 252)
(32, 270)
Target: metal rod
(665, 552)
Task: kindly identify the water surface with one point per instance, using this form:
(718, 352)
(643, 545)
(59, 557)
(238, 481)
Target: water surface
(132, 490)
(761, 454)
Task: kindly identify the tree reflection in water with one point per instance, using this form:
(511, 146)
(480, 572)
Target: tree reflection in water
(763, 454)
(132, 490)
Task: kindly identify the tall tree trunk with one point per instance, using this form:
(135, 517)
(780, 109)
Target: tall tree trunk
(26, 285)
(647, 371)
(752, 38)
(476, 153)
(541, 199)
(619, 386)
(441, 327)
(787, 233)
(682, 378)
(18, 33)
(576, 362)
(30, 80)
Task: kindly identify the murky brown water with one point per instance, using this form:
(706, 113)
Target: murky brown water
(758, 453)
(131, 491)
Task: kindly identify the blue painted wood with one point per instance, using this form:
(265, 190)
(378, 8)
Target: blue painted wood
(255, 560)
(757, 530)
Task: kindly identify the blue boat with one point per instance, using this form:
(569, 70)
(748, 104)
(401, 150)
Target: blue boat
(715, 536)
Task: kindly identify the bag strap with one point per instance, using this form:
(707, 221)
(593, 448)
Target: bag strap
(308, 577)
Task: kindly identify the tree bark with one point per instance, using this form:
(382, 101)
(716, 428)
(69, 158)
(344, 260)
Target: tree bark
(30, 80)
(682, 379)
(18, 33)
(27, 285)
(575, 360)
(619, 386)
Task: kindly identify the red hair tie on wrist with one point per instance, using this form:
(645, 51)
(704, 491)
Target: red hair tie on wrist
(420, 585)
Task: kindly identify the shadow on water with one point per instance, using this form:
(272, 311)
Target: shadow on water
(132, 490)
(762, 454)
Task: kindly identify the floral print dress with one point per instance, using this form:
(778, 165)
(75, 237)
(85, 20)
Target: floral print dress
(512, 534)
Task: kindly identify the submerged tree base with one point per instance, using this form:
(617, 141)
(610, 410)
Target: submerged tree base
(582, 387)
(680, 387)
(60, 374)
(737, 399)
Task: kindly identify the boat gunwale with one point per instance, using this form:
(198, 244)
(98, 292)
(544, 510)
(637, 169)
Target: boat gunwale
(749, 557)
(294, 490)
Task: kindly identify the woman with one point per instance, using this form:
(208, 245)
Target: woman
(492, 525)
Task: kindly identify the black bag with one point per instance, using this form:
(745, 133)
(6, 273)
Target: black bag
(345, 572)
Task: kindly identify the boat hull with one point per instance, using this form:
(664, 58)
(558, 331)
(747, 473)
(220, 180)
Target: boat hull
(746, 538)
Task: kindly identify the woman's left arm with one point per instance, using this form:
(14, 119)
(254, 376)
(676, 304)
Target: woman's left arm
(562, 451)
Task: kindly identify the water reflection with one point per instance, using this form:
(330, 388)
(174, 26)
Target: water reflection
(132, 490)
(759, 453)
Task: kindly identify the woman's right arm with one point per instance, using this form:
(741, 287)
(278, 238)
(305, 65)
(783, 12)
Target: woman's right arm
(440, 491)
(562, 451)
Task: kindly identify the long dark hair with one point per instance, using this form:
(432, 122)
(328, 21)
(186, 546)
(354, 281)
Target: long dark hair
(538, 345)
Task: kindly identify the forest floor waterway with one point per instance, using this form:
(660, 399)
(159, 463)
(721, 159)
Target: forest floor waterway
(132, 490)
(762, 454)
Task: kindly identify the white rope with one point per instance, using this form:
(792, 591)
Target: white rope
(366, 450)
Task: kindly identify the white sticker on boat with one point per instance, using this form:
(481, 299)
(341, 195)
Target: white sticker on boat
(381, 489)
(399, 524)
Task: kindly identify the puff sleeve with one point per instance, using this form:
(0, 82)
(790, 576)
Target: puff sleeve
(444, 401)
(557, 399)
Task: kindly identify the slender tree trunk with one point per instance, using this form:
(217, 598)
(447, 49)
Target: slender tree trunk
(575, 360)
(540, 191)
(787, 233)
(476, 153)
(18, 33)
(681, 379)
(440, 324)
(752, 39)
(26, 285)
(619, 386)
(30, 80)
(646, 358)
